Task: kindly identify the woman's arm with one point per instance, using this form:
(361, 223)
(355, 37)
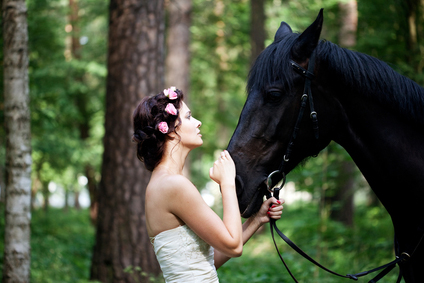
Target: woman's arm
(271, 208)
(187, 204)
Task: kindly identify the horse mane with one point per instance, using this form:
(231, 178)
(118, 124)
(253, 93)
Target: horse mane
(272, 65)
(361, 73)
(375, 79)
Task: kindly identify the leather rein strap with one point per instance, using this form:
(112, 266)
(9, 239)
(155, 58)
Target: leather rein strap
(280, 175)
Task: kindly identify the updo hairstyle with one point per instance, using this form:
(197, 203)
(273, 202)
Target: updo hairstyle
(149, 113)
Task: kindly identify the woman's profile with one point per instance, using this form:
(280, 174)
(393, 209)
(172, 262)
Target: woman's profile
(190, 240)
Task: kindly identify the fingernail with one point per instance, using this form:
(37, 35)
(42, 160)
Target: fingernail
(279, 202)
(273, 206)
(268, 213)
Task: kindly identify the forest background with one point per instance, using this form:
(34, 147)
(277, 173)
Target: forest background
(337, 218)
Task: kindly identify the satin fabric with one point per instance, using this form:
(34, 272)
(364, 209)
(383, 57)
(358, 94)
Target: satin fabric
(184, 257)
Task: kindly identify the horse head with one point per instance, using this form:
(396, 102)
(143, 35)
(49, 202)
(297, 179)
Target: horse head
(269, 115)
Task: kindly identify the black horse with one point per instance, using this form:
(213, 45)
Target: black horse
(376, 114)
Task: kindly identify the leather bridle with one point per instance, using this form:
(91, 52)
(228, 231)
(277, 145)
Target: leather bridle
(279, 177)
(307, 95)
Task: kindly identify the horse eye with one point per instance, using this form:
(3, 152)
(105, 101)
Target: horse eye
(274, 95)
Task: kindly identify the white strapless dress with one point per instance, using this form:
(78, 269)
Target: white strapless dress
(184, 257)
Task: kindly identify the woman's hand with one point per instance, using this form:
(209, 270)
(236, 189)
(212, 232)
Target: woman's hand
(223, 171)
(271, 208)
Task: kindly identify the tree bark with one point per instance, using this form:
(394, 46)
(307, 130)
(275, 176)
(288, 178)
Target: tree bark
(135, 70)
(178, 45)
(2, 181)
(348, 24)
(18, 143)
(257, 28)
(178, 52)
(415, 22)
(342, 206)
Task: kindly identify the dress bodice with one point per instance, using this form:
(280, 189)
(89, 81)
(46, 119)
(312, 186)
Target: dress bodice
(184, 257)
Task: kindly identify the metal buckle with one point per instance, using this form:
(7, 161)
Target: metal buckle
(274, 181)
(407, 256)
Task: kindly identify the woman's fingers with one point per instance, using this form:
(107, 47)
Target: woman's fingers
(276, 208)
(223, 168)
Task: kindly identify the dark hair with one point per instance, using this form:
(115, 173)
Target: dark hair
(146, 118)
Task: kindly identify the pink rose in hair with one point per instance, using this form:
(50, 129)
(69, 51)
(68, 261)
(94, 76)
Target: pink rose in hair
(170, 92)
(163, 127)
(170, 108)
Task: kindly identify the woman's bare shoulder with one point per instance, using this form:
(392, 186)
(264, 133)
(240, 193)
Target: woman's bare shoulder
(172, 184)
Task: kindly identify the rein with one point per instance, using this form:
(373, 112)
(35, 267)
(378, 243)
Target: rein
(279, 175)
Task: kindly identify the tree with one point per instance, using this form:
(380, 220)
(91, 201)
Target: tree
(18, 143)
(342, 206)
(257, 28)
(135, 69)
(348, 23)
(178, 51)
(178, 45)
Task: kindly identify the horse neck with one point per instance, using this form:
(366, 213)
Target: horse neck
(385, 145)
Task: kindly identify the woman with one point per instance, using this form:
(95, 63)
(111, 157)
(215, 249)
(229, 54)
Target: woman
(190, 239)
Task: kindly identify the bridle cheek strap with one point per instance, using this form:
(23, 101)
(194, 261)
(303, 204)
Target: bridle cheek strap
(307, 95)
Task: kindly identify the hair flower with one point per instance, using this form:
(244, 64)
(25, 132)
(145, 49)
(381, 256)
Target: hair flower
(163, 127)
(170, 92)
(170, 109)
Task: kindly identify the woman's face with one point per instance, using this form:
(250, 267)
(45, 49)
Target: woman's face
(189, 128)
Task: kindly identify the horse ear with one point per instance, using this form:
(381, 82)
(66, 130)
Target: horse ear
(283, 29)
(308, 40)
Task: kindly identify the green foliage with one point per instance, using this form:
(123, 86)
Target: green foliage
(219, 66)
(136, 273)
(384, 33)
(61, 246)
(66, 91)
(300, 14)
(344, 250)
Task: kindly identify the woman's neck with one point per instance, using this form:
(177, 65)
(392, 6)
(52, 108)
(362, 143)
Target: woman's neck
(173, 159)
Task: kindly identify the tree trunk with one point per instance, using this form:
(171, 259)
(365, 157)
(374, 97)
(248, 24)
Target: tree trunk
(82, 102)
(135, 70)
(93, 191)
(178, 45)
(77, 204)
(2, 182)
(342, 206)
(178, 52)
(348, 23)
(46, 195)
(18, 143)
(415, 23)
(257, 28)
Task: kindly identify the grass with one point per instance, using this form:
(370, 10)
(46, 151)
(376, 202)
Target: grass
(62, 244)
(345, 250)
